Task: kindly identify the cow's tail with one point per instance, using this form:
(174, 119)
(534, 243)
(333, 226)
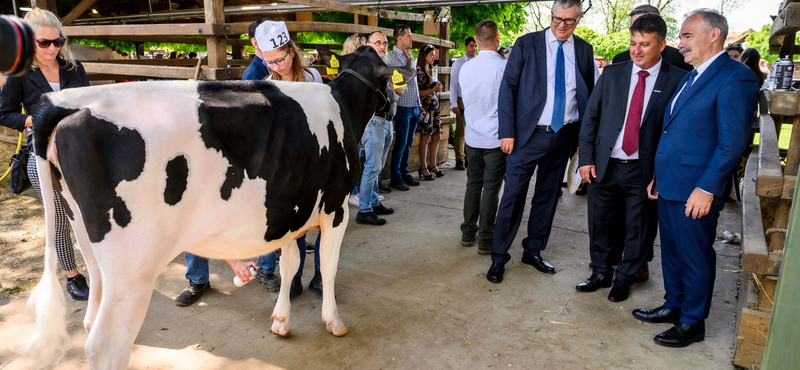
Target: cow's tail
(49, 340)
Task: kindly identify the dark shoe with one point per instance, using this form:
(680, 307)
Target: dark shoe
(539, 263)
(496, 271)
(427, 177)
(460, 166)
(436, 171)
(409, 180)
(369, 218)
(620, 291)
(399, 185)
(582, 189)
(191, 294)
(380, 210)
(643, 274)
(596, 281)
(315, 286)
(467, 241)
(296, 288)
(309, 248)
(383, 189)
(682, 335)
(484, 250)
(657, 315)
(77, 288)
(271, 282)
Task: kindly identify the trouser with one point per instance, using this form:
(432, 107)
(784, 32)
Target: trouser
(688, 259)
(484, 179)
(547, 151)
(622, 184)
(376, 142)
(458, 140)
(405, 125)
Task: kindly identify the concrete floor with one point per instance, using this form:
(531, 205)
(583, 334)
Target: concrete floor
(413, 298)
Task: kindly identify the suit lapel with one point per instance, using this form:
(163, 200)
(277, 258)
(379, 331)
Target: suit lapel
(63, 77)
(625, 90)
(655, 96)
(698, 83)
(540, 48)
(39, 81)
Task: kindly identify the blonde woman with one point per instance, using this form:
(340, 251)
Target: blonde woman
(54, 69)
(352, 43)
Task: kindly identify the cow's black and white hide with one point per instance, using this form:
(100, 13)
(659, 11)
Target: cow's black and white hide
(220, 169)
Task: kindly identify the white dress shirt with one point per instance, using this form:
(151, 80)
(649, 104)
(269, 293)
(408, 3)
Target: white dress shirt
(480, 87)
(649, 82)
(455, 69)
(700, 71)
(571, 113)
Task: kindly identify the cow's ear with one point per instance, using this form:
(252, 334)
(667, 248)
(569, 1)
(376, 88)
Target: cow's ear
(394, 74)
(329, 58)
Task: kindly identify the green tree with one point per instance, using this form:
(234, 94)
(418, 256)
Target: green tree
(760, 41)
(615, 14)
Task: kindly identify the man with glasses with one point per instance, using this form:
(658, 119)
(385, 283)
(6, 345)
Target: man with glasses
(470, 49)
(405, 121)
(545, 89)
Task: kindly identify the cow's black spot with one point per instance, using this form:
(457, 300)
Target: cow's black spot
(177, 180)
(96, 155)
(338, 217)
(272, 141)
(55, 174)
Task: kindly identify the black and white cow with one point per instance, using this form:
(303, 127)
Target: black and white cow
(220, 169)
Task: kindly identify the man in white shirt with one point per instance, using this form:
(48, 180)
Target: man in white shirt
(470, 47)
(480, 84)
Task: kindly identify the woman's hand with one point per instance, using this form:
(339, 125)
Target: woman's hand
(438, 87)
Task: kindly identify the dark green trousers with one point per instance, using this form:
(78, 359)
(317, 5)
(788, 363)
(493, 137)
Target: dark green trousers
(487, 168)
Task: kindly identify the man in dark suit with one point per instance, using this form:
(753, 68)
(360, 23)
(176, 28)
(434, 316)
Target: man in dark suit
(706, 129)
(618, 138)
(669, 54)
(545, 87)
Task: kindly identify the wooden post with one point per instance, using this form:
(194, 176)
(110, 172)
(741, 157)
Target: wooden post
(788, 46)
(45, 4)
(216, 45)
(236, 50)
(77, 11)
(444, 34)
(784, 205)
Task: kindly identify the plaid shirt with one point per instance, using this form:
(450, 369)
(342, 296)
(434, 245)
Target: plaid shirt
(397, 58)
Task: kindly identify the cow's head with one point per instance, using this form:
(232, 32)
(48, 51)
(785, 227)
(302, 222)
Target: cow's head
(360, 98)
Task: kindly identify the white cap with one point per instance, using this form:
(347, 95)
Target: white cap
(271, 35)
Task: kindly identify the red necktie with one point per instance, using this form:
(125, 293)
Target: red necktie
(630, 140)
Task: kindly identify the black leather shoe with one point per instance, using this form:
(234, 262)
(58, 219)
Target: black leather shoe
(539, 263)
(383, 189)
(380, 210)
(496, 271)
(191, 294)
(582, 189)
(399, 185)
(596, 281)
(657, 315)
(296, 288)
(643, 274)
(77, 288)
(409, 180)
(460, 166)
(369, 218)
(682, 335)
(620, 291)
(315, 286)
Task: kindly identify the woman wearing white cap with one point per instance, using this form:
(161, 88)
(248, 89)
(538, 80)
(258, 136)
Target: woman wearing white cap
(281, 54)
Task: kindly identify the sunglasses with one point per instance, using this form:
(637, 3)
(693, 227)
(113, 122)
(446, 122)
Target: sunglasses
(58, 43)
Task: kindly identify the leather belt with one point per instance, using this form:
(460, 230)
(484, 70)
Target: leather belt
(625, 160)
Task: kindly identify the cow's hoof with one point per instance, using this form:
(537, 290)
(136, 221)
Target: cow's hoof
(337, 329)
(281, 327)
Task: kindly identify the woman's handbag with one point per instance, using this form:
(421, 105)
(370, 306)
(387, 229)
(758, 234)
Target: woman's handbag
(19, 173)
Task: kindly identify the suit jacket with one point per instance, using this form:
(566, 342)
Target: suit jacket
(523, 91)
(670, 55)
(25, 91)
(605, 116)
(704, 138)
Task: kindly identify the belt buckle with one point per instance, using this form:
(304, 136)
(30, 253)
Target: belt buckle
(548, 128)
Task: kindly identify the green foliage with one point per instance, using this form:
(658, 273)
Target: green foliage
(129, 47)
(760, 41)
(615, 14)
(605, 46)
(510, 20)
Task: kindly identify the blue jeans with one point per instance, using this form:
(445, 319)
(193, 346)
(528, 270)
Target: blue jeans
(405, 122)
(376, 141)
(197, 267)
(301, 245)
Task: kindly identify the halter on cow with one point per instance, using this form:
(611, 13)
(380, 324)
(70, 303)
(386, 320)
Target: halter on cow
(219, 169)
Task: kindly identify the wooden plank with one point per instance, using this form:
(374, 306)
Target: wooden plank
(363, 10)
(784, 102)
(788, 187)
(793, 154)
(164, 29)
(748, 355)
(787, 23)
(769, 179)
(166, 39)
(774, 264)
(314, 46)
(167, 72)
(776, 242)
(77, 11)
(766, 296)
(167, 62)
(755, 254)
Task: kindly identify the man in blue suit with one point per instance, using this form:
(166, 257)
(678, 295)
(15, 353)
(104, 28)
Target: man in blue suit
(545, 89)
(706, 129)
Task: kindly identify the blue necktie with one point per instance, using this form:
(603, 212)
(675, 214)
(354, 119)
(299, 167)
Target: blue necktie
(560, 97)
(684, 93)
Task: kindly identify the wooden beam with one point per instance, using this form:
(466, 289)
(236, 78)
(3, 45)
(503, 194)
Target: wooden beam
(783, 102)
(769, 179)
(46, 5)
(168, 72)
(363, 10)
(326, 46)
(166, 39)
(166, 29)
(755, 254)
(77, 11)
(167, 62)
(217, 51)
(787, 23)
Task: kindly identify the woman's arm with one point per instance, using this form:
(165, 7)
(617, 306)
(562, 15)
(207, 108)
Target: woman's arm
(11, 105)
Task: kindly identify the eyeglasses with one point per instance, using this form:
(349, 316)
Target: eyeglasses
(379, 43)
(278, 61)
(569, 22)
(58, 43)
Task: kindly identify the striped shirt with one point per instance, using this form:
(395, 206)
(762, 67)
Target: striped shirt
(410, 99)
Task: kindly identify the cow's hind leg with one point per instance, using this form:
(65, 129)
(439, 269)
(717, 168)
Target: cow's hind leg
(330, 243)
(95, 278)
(290, 262)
